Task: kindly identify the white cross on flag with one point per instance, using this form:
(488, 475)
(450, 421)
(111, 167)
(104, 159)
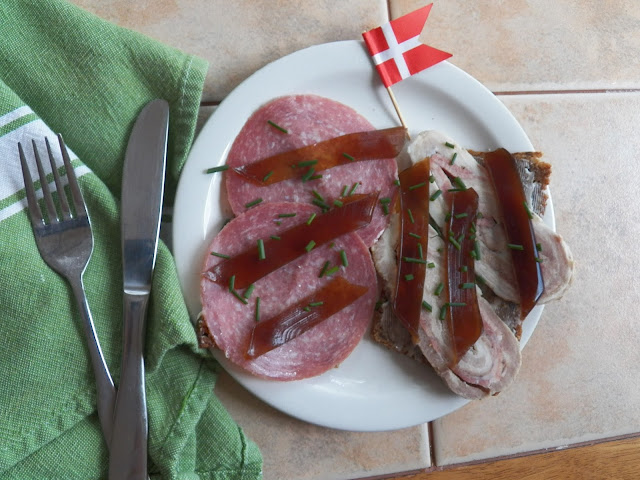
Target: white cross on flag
(396, 50)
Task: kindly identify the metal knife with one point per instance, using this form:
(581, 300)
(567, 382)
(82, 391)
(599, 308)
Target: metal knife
(142, 193)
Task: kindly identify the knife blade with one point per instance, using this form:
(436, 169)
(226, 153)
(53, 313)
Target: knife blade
(142, 195)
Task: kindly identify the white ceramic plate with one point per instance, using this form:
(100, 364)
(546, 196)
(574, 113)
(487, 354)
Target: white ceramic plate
(374, 389)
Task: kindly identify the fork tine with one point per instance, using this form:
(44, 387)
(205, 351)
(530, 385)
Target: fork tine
(46, 193)
(62, 196)
(76, 193)
(34, 209)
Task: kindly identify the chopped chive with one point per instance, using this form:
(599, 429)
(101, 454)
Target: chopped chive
(344, 190)
(321, 204)
(480, 279)
(396, 182)
(431, 265)
(257, 314)
(316, 304)
(417, 185)
(450, 145)
(343, 257)
(410, 215)
(261, 254)
(221, 255)
(467, 285)
(285, 215)
(413, 260)
(458, 181)
(313, 215)
(275, 125)
(454, 242)
(315, 177)
(526, 207)
(414, 235)
(346, 155)
(239, 297)
(539, 247)
(316, 194)
(353, 188)
(435, 195)
(420, 254)
(408, 277)
(232, 283)
(307, 163)
(266, 177)
(332, 270)
(309, 173)
(476, 248)
(275, 237)
(221, 168)
(539, 259)
(248, 291)
(464, 269)
(426, 306)
(278, 222)
(515, 246)
(385, 200)
(253, 203)
(385, 209)
(310, 246)
(460, 238)
(457, 304)
(323, 270)
(432, 178)
(332, 244)
(461, 215)
(438, 289)
(453, 158)
(443, 313)
(338, 203)
(307, 308)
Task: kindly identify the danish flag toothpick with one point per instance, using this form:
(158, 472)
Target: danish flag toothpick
(396, 51)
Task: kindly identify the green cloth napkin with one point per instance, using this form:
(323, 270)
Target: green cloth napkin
(65, 70)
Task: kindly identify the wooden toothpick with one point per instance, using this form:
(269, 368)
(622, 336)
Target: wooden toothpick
(398, 112)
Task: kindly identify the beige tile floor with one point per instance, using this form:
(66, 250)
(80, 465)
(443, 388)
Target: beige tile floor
(578, 380)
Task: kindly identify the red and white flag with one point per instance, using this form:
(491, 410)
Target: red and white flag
(395, 48)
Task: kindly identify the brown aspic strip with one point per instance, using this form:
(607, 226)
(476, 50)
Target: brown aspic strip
(304, 162)
(461, 311)
(302, 316)
(269, 254)
(412, 263)
(507, 185)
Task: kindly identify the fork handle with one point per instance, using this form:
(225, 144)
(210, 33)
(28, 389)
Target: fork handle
(128, 455)
(106, 392)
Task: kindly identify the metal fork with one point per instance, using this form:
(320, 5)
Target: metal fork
(66, 244)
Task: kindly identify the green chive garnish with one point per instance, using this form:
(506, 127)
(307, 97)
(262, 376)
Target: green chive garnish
(458, 181)
(408, 277)
(343, 257)
(457, 304)
(285, 215)
(515, 246)
(316, 194)
(454, 242)
(321, 204)
(431, 265)
(414, 235)
(438, 289)
(313, 215)
(453, 159)
(275, 237)
(239, 297)
(266, 177)
(221, 168)
(420, 251)
(346, 155)
(257, 317)
(443, 313)
(338, 203)
(464, 269)
(432, 178)
(232, 283)
(526, 207)
(323, 270)
(261, 254)
(467, 285)
(385, 200)
(275, 125)
(307, 176)
(253, 203)
(450, 145)
(248, 291)
(344, 190)
(538, 259)
(417, 185)
(332, 270)
(307, 163)
(316, 304)
(353, 188)
(410, 215)
(396, 182)
(539, 247)
(221, 255)
(426, 306)
(461, 215)
(414, 260)
(310, 246)
(435, 195)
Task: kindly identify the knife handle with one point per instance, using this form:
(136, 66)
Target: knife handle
(128, 454)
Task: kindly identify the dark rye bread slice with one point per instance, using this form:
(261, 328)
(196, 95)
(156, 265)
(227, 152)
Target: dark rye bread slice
(386, 330)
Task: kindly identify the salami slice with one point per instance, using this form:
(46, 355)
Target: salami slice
(307, 119)
(230, 317)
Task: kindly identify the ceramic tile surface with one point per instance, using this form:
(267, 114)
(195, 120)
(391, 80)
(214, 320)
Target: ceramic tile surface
(578, 380)
(520, 45)
(293, 449)
(239, 37)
